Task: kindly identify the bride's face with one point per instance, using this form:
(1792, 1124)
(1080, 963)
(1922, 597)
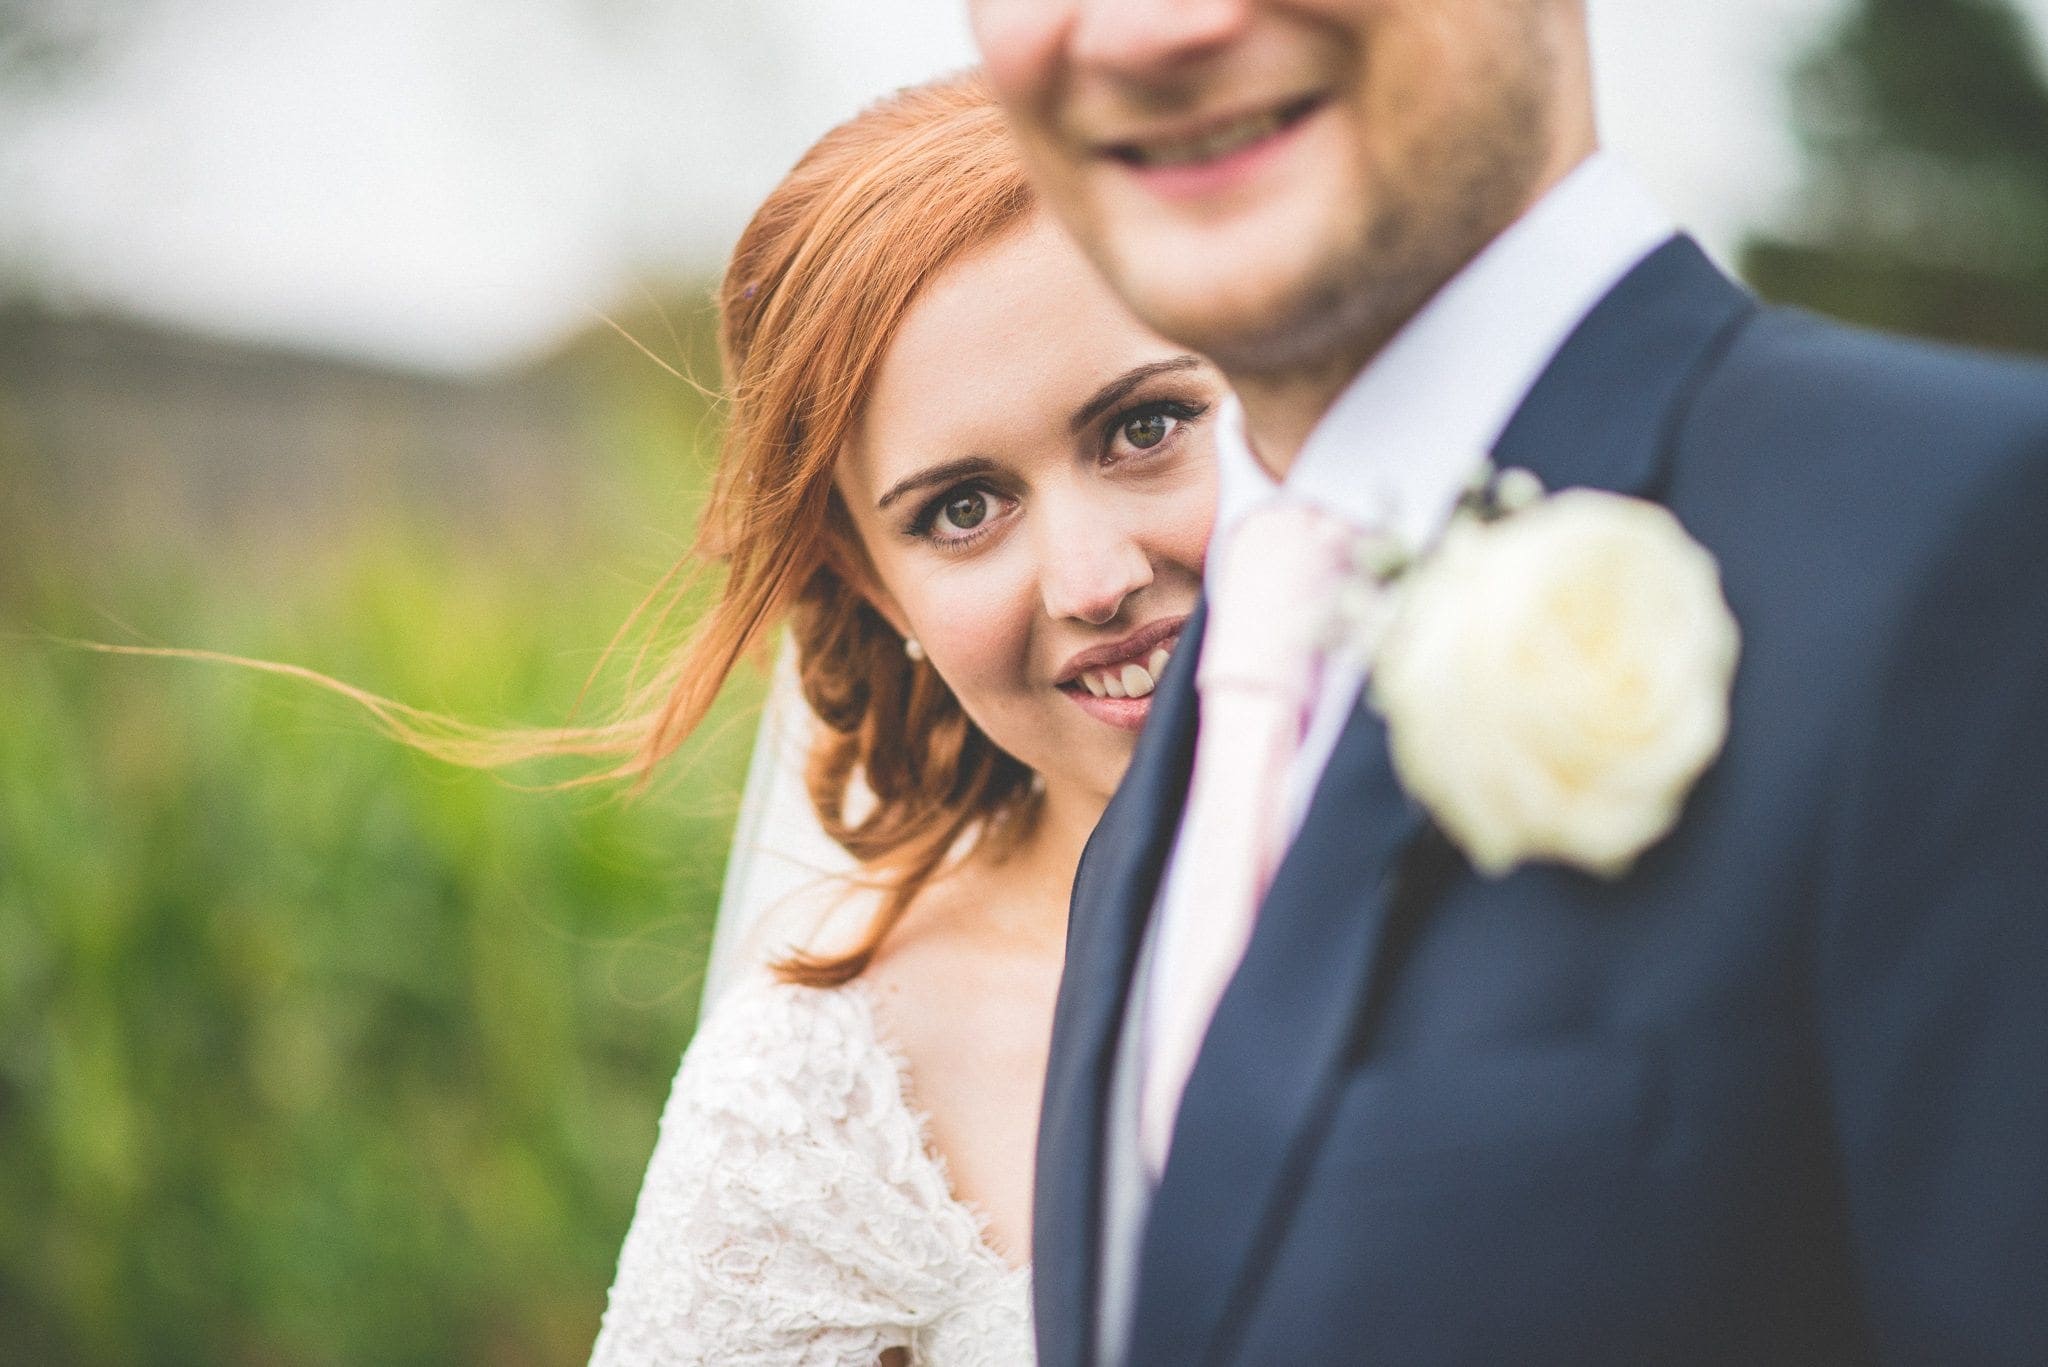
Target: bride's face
(1033, 480)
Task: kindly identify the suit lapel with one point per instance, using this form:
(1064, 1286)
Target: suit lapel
(1600, 415)
(1113, 895)
(1279, 1030)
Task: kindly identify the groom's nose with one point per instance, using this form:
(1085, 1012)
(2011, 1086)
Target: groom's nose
(1088, 566)
(1149, 38)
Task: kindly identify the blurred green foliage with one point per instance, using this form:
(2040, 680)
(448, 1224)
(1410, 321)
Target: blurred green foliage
(312, 1049)
(1925, 210)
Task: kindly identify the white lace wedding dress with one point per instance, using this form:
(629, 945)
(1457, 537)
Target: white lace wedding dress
(794, 1213)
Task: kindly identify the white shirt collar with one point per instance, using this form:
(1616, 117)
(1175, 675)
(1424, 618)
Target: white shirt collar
(1403, 438)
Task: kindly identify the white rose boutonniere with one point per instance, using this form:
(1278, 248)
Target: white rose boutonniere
(1555, 679)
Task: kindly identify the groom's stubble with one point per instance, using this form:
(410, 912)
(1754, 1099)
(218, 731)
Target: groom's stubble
(1438, 123)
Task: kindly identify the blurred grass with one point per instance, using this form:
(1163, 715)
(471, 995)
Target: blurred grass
(312, 1049)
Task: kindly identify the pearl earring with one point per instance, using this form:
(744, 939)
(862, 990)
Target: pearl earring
(912, 648)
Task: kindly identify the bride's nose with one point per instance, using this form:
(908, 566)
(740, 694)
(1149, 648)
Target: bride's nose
(1088, 566)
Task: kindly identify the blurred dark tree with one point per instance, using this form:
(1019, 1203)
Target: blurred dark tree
(1925, 124)
(41, 40)
(48, 47)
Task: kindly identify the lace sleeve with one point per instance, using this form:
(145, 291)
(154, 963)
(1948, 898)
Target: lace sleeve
(774, 1225)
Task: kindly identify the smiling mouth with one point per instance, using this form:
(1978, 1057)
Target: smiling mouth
(1135, 677)
(1215, 142)
(1131, 679)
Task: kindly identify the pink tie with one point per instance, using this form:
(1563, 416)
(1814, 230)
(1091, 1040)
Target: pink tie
(1270, 603)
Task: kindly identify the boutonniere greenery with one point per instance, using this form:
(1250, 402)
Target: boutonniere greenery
(1555, 674)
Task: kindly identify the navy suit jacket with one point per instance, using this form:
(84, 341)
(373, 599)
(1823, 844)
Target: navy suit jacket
(1778, 1096)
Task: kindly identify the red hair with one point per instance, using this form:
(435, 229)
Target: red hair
(820, 281)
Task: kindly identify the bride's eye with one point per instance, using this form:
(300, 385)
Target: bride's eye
(1148, 431)
(1148, 427)
(962, 514)
(965, 512)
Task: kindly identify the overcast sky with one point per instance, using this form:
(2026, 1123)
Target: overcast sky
(457, 183)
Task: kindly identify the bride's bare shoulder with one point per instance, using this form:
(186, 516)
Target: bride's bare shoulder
(961, 953)
(963, 991)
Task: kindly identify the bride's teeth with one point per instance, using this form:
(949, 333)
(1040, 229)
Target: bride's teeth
(1134, 680)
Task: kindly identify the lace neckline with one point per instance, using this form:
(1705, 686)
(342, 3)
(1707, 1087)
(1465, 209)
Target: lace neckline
(869, 1012)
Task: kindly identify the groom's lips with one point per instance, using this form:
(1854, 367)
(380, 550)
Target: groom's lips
(1200, 159)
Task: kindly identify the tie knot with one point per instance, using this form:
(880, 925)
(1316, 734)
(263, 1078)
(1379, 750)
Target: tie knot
(1272, 598)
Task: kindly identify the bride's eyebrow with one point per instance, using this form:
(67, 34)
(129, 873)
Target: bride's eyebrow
(1103, 399)
(944, 473)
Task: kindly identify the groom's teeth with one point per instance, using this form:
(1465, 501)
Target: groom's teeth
(1115, 685)
(1157, 664)
(1136, 681)
(1093, 683)
(1209, 146)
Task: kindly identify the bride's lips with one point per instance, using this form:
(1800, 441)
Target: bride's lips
(1113, 683)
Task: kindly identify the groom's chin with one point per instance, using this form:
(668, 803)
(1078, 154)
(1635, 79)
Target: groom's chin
(1247, 294)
